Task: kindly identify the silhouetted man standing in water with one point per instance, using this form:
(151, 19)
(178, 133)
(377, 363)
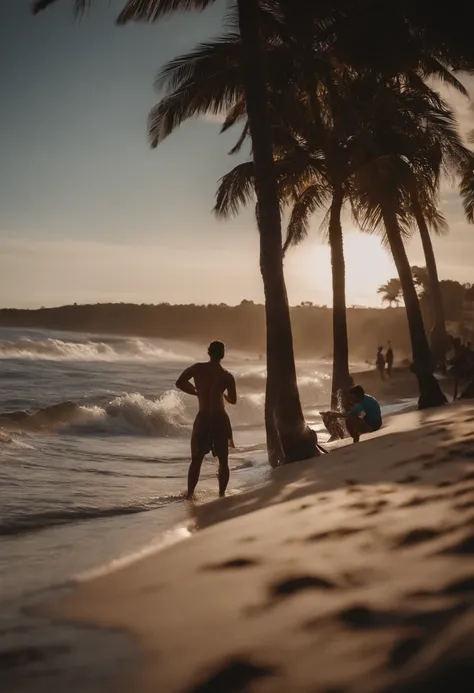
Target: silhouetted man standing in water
(212, 431)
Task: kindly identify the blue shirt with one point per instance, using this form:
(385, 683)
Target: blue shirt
(371, 408)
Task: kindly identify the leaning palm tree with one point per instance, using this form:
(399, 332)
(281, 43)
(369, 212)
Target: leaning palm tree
(380, 205)
(391, 292)
(439, 150)
(288, 436)
(417, 143)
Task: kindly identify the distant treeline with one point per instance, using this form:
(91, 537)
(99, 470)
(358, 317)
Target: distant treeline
(242, 327)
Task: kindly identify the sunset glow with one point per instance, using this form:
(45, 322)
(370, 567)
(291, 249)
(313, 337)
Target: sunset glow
(368, 265)
(84, 197)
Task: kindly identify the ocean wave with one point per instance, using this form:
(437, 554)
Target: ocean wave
(35, 522)
(6, 438)
(254, 379)
(131, 414)
(134, 414)
(50, 349)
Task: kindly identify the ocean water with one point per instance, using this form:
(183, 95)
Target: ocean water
(94, 448)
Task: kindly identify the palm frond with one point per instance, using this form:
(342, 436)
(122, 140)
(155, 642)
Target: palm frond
(466, 189)
(190, 100)
(378, 189)
(324, 225)
(204, 62)
(152, 10)
(235, 114)
(437, 221)
(235, 190)
(434, 67)
(80, 6)
(307, 204)
(240, 142)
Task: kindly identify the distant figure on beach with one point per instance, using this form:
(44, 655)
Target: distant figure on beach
(364, 417)
(389, 360)
(380, 362)
(212, 431)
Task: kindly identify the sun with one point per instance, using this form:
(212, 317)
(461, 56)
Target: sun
(368, 265)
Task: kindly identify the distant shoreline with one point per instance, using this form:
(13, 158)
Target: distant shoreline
(242, 327)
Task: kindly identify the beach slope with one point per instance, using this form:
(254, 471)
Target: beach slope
(348, 574)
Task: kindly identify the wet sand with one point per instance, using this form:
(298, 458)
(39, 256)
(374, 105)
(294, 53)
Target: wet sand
(401, 386)
(352, 573)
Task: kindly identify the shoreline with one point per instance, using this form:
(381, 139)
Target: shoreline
(413, 481)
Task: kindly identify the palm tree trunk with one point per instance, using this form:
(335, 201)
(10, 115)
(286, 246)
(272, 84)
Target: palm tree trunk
(430, 392)
(439, 337)
(284, 412)
(341, 379)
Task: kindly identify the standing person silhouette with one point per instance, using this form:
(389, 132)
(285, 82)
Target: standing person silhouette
(212, 431)
(389, 360)
(380, 362)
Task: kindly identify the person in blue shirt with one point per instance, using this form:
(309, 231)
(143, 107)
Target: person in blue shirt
(365, 416)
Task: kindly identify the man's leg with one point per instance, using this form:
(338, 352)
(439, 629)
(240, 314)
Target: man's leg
(356, 427)
(223, 473)
(194, 472)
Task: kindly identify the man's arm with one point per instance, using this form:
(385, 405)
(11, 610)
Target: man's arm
(183, 383)
(357, 411)
(231, 396)
(337, 414)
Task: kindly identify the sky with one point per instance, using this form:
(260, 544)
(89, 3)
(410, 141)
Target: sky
(89, 213)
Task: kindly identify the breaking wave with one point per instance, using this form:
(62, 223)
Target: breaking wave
(131, 414)
(91, 350)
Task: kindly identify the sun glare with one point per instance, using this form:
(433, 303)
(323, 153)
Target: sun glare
(368, 265)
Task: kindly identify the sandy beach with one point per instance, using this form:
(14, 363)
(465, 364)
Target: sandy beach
(350, 573)
(174, 328)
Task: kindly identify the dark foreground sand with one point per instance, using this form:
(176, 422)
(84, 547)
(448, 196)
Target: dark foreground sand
(353, 573)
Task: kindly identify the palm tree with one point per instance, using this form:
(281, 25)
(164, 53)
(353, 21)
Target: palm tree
(420, 141)
(308, 201)
(288, 436)
(308, 181)
(391, 292)
(445, 151)
(380, 203)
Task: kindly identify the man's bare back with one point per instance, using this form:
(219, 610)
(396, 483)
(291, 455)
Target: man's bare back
(213, 386)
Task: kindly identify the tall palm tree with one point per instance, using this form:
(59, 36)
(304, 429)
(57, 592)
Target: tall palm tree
(391, 292)
(420, 141)
(311, 177)
(445, 152)
(380, 204)
(288, 436)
